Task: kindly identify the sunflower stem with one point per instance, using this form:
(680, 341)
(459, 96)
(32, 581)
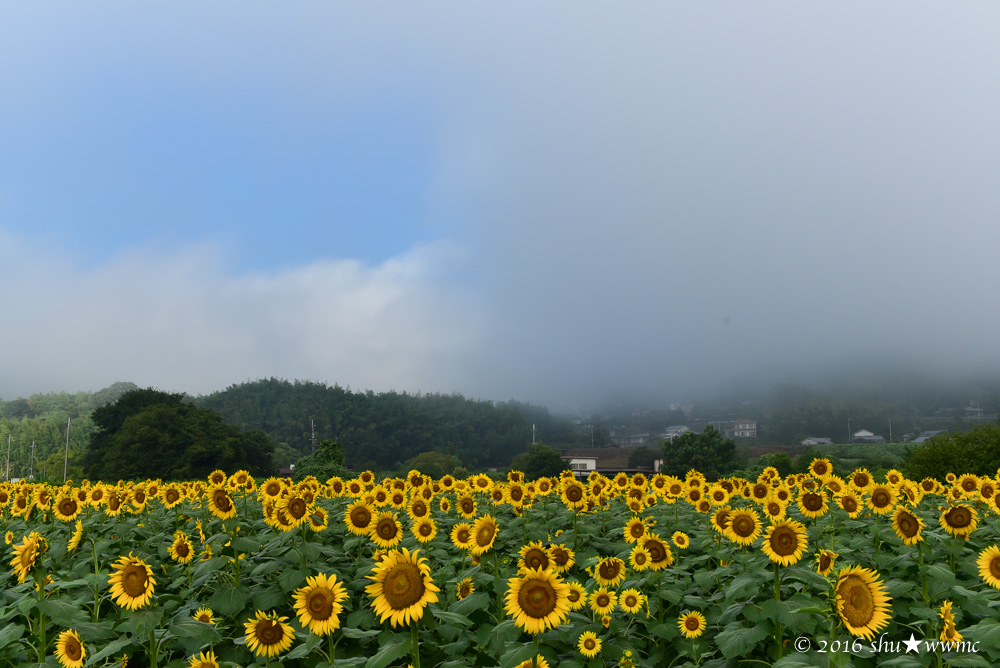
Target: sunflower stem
(534, 657)
(152, 649)
(415, 645)
(496, 574)
(777, 599)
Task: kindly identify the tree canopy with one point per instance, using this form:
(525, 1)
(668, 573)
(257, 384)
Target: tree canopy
(325, 463)
(975, 451)
(152, 434)
(708, 452)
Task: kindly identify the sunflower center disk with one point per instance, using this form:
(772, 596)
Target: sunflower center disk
(859, 608)
(134, 581)
(403, 586)
(784, 542)
(320, 604)
(269, 633)
(537, 599)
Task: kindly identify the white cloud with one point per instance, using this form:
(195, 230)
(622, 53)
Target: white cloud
(178, 322)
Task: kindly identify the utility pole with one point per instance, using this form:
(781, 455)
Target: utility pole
(66, 460)
(532, 434)
(313, 424)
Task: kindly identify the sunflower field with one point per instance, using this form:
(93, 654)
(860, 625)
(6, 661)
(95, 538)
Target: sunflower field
(807, 570)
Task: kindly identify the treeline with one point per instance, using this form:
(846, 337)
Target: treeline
(40, 420)
(382, 431)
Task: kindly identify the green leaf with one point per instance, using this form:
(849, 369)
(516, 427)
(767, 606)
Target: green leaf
(389, 653)
(10, 633)
(200, 631)
(737, 640)
(62, 613)
(969, 661)
(304, 649)
(292, 578)
(475, 601)
(450, 617)
(245, 544)
(113, 647)
(359, 633)
(229, 601)
(742, 585)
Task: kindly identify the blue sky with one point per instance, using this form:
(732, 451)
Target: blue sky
(553, 202)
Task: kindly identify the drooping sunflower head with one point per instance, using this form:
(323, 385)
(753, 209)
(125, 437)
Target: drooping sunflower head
(785, 542)
(319, 603)
(268, 635)
(69, 650)
(989, 566)
(692, 624)
(132, 582)
(862, 601)
(402, 587)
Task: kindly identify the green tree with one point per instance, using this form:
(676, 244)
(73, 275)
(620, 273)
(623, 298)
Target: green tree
(434, 464)
(539, 461)
(708, 452)
(325, 463)
(153, 434)
(642, 457)
(975, 451)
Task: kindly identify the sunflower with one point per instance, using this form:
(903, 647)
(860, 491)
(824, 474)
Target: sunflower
(358, 518)
(204, 615)
(65, 508)
(744, 526)
(484, 534)
(862, 601)
(26, 554)
(603, 602)
(812, 504)
(720, 519)
(660, 555)
(774, 509)
(534, 557)
(461, 536)
(573, 495)
(295, 506)
(9, 537)
(785, 542)
(562, 558)
(132, 582)
(577, 595)
(69, 650)
(882, 499)
(318, 604)
(386, 531)
(180, 550)
(989, 566)
(692, 624)
(589, 644)
(634, 529)
(907, 526)
(681, 540)
(537, 600)
(610, 571)
(74, 540)
(945, 612)
(950, 634)
(824, 561)
(268, 635)
(464, 588)
(220, 503)
(537, 662)
(424, 530)
(851, 504)
(958, 520)
(821, 468)
(631, 600)
(204, 660)
(466, 506)
(401, 587)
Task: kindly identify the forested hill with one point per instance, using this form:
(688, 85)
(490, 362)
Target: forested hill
(385, 430)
